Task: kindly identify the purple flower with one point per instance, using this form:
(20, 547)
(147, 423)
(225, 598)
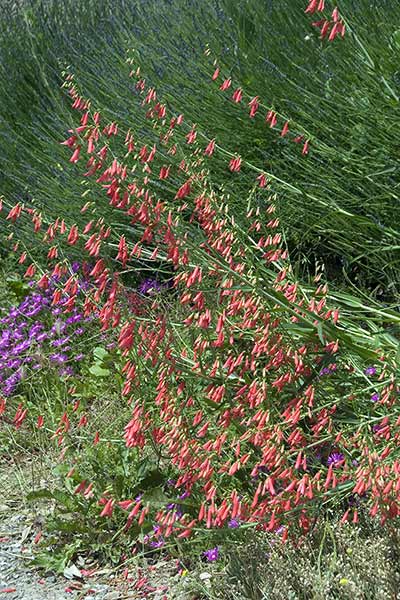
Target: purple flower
(157, 544)
(58, 358)
(66, 371)
(184, 495)
(41, 337)
(149, 286)
(370, 371)
(233, 523)
(325, 371)
(375, 397)
(211, 554)
(60, 341)
(21, 347)
(13, 364)
(335, 459)
(73, 319)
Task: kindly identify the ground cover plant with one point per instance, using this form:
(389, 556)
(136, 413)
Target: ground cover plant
(227, 384)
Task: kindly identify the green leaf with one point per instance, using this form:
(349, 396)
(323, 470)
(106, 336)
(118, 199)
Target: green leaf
(100, 353)
(320, 334)
(40, 494)
(396, 38)
(57, 495)
(156, 496)
(98, 371)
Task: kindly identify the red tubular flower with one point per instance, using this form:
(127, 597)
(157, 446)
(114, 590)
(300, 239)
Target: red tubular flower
(14, 213)
(325, 29)
(164, 172)
(184, 190)
(262, 180)
(285, 129)
(334, 32)
(73, 235)
(210, 148)
(215, 74)
(191, 136)
(237, 95)
(70, 141)
(312, 7)
(108, 509)
(30, 271)
(254, 104)
(226, 84)
(75, 156)
(235, 164)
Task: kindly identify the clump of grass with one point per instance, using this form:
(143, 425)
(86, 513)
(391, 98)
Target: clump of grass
(343, 210)
(334, 561)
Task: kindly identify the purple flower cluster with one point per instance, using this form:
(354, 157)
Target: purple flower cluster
(35, 333)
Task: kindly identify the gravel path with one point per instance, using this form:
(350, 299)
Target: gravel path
(20, 581)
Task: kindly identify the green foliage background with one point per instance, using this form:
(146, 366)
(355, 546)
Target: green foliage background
(340, 205)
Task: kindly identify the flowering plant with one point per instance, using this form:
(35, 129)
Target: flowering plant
(241, 383)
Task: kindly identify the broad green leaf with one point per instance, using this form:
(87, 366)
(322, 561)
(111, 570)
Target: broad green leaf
(98, 371)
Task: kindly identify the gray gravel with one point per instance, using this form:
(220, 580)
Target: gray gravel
(29, 583)
(20, 581)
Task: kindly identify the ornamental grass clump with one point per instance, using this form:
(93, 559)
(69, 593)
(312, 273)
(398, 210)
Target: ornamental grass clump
(247, 400)
(342, 209)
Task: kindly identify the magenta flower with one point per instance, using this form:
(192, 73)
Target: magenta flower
(370, 371)
(335, 459)
(233, 523)
(211, 554)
